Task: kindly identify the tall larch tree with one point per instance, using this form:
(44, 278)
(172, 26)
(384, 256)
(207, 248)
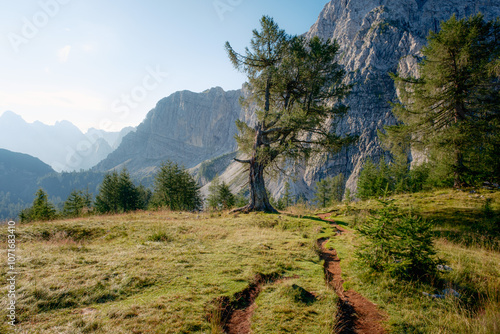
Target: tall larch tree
(296, 87)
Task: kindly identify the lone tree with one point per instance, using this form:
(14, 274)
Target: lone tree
(296, 87)
(452, 108)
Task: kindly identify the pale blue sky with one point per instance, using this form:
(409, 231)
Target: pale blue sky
(103, 63)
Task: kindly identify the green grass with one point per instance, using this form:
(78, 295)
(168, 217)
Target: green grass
(160, 272)
(292, 306)
(465, 239)
(166, 272)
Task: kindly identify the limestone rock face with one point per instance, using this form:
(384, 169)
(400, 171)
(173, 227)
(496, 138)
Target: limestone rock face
(377, 37)
(187, 128)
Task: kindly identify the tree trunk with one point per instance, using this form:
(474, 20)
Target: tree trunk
(458, 173)
(259, 201)
(459, 168)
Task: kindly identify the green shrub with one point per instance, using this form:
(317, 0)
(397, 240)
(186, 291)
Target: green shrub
(374, 180)
(41, 210)
(329, 190)
(175, 189)
(77, 203)
(398, 243)
(395, 178)
(117, 193)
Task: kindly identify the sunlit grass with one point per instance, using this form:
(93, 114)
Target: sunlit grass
(163, 272)
(471, 251)
(156, 272)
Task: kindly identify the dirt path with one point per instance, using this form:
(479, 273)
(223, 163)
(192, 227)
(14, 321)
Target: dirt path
(356, 314)
(239, 318)
(237, 313)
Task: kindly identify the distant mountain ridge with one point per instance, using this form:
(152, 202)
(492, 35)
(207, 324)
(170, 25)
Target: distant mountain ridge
(19, 174)
(62, 145)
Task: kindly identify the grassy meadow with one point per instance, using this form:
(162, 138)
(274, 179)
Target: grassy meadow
(161, 272)
(466, 229)
(165, 272)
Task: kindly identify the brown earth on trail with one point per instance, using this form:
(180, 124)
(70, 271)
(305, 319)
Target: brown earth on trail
(355, 314)
(324, 216)
(237, 314)
(239, 319)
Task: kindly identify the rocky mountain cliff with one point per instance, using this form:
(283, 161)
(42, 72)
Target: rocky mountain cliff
(186, 127)
(377, 37)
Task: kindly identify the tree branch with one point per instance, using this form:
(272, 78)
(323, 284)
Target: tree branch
(271, 131)
(242, 161)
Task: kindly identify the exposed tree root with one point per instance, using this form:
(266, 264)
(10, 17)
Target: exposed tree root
(250, 208)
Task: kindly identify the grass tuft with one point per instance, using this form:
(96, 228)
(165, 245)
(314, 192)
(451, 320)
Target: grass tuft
(160, 237)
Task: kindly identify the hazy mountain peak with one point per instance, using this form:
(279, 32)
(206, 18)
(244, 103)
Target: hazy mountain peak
(62, 145)
(10, 116)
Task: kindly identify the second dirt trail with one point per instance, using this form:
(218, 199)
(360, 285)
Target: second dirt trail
(355, 314)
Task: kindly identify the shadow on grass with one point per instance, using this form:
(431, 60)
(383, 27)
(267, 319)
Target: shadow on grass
(406, 328)
(337, 222)
(314, 218)
(470, 227)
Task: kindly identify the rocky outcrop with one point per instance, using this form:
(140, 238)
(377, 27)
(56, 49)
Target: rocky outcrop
(187, 128)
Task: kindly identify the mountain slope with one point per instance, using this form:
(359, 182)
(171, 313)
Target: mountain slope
(19, 174)
(186, 127)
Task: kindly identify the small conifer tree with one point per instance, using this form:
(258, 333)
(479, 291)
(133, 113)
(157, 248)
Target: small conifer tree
(41, 210)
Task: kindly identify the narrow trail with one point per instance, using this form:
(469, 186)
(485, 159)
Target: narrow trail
(239, 319)
(355, 314)
(237, 315)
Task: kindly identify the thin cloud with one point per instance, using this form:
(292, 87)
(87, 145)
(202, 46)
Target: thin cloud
(63, 54)
(67, 99)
